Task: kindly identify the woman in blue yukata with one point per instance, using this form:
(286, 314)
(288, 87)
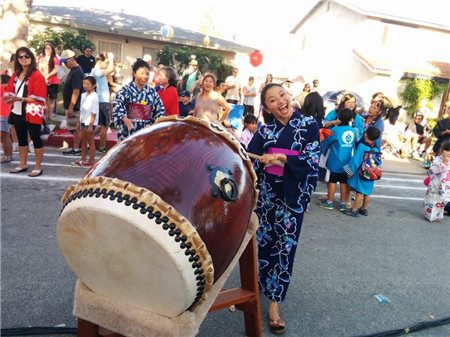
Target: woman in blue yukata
(136, 104)
(288, 169)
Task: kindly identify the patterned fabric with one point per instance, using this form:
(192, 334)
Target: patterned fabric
(438, 193)
(283, 200)
(131, 94)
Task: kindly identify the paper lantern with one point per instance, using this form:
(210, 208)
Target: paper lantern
(206, 41)
(167, 32)
(256, 58)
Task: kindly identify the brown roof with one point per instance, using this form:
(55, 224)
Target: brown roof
(380, 65)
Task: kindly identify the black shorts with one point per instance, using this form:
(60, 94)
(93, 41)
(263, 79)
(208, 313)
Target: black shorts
(103, 117)
(52, 91)
(338, 178)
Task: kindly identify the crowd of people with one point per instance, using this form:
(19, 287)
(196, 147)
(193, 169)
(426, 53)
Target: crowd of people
(292, 140)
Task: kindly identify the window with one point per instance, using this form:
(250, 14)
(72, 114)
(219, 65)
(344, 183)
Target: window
(108, 46)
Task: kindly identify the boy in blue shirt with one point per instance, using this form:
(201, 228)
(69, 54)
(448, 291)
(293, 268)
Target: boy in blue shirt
(342, 144)
(362, 186)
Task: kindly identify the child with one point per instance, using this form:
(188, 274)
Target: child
(89, 108)
(362, 187)
(438, 193)
(249, 91)
(342, 145)
(250, 127)
(4, 125)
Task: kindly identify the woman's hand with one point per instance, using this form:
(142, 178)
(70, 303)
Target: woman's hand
(128, 123)
(12, 99)
(90, 129)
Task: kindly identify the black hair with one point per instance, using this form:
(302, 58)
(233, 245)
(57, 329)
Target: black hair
(345, 116)
(445, 147)
(373, 133)
(140, 63)
(5, 78)
(313, 105)
(171, 75)
(346, 97)
(250, 119)
(51, 61)
(268, 118)
(91, 79)
(18, 67)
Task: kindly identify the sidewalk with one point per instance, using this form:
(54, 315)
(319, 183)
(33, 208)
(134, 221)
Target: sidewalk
(393, 164)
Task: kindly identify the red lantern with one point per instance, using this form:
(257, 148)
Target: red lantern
(256, 58)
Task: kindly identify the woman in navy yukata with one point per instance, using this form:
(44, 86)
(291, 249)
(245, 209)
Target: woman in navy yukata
(136, 104)
(291, 141)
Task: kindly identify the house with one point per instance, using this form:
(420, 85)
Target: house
(127, 36)
(368, 46)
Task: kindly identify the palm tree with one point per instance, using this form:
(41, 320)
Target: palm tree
(14, 27)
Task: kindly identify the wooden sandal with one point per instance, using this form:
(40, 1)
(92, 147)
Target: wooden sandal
(277, 326)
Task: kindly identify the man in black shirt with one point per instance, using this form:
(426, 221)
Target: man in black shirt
(86, 61)
(72, 89)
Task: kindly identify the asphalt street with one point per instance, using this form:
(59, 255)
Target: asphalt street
(341, 262)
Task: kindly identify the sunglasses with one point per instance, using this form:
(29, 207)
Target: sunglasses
(23, 56)
(376, 104)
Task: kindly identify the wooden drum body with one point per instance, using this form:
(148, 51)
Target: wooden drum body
(159, 218)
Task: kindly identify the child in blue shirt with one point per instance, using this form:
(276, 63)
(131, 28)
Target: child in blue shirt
(362, 187)
(342, 145)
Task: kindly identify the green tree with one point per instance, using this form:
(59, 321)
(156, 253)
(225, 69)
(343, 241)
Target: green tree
(208, 61)
(61, 39)
(414, 90)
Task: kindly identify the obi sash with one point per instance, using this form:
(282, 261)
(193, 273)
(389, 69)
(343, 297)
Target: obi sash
(278, 170)
(137, 111)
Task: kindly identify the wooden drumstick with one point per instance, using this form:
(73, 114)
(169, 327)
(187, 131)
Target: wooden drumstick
(258, 157)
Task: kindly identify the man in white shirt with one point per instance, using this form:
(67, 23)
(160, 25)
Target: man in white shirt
(234, 89)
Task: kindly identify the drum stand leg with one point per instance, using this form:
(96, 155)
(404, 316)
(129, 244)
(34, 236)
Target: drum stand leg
(245, 298)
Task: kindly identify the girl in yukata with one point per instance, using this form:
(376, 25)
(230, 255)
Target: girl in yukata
(136, 104)
(291, 141)
(438, 181)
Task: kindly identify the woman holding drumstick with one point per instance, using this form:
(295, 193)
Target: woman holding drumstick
(292, 140)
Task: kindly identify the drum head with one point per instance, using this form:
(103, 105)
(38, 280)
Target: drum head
(119, 252)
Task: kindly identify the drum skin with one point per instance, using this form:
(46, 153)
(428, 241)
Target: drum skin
(174, 159)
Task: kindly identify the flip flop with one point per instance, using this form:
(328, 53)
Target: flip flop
(35, 173)
(276, 327)
(19, 170)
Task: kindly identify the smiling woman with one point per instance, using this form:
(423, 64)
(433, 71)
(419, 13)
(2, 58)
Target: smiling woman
(136, 104)
(26, 91)
(290, 142)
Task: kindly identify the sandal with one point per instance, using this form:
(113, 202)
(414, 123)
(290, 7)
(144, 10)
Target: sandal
(82, 163)
(35, 173)
(6, 159)
(277, 326)
(19, 169)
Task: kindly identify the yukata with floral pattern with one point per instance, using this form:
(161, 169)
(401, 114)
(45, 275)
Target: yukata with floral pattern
(438, 193)
(284, 199)
(130, 93)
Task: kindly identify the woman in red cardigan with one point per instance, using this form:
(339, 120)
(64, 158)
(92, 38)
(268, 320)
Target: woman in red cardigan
(168, 92)
(27, 91)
